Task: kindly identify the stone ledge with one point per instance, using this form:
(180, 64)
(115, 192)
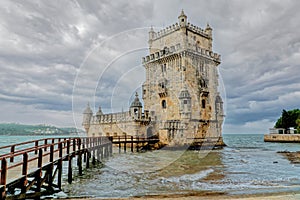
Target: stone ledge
(282, 138)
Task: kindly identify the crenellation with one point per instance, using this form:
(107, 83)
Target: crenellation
(166, 31)
(172, 50)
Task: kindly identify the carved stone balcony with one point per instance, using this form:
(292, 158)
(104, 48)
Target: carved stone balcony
(162, 92)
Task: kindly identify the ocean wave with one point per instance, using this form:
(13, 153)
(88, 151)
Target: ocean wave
(188, 177)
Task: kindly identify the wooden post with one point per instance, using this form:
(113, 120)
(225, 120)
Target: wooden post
(87, 159)
(93, 151)
(40, 158)
(84, 153)
(46, 141)
(59, 166)
(36, 147)
(25, 164)
(51, 153)
(79, 159)
(119, 145)
(93, 158)
(137, 144)
(3, 178)
(68, 147)
(24, 172)
(50, 170)
(39, 172)
(60, 148)
(125, 144)
(131, 137)
(12, 151)
(74, 145)
(70, 170)
(79, 163)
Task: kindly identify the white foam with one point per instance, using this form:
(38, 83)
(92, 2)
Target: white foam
(189, 177)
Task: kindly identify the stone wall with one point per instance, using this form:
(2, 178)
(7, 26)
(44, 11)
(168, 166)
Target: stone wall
(282, 138)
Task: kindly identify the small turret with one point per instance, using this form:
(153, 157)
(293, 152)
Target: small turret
(182, 19)
(136, 108)
(87, 116)
(208, 30)
(99, 113)
(151, 34)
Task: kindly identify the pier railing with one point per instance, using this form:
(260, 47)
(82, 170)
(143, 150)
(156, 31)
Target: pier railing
(133, 142)
(28, 167)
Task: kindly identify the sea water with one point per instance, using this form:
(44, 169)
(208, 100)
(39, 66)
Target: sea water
(246, 166)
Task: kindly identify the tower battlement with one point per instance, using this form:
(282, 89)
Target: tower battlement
(173, 50)
(175, 27)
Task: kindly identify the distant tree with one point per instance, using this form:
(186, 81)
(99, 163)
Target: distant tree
(298, 125)
(289, 119)
(278, 123)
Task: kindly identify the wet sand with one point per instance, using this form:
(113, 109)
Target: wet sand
(294, 157)
(209, 196)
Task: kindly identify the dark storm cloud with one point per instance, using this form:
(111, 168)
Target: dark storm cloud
(47, 45)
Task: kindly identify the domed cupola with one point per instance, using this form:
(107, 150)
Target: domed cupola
(88, 109)
(136, 108)
(136, 102)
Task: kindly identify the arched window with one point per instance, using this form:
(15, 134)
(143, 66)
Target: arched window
(203, 103)
(163, 104)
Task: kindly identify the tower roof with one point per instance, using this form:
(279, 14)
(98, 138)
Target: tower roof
(182, 14)
(88, 109)
(136, 102)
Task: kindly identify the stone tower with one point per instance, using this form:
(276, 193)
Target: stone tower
(182, 105)
(181, 87)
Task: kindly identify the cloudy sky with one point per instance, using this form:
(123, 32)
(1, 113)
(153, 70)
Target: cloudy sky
(55, 56)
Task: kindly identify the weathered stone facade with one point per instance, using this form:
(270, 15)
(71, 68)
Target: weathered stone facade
(180, 94)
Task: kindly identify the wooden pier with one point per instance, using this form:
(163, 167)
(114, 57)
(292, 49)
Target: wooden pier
(133, 143)
(31, 169)
(35, 168)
